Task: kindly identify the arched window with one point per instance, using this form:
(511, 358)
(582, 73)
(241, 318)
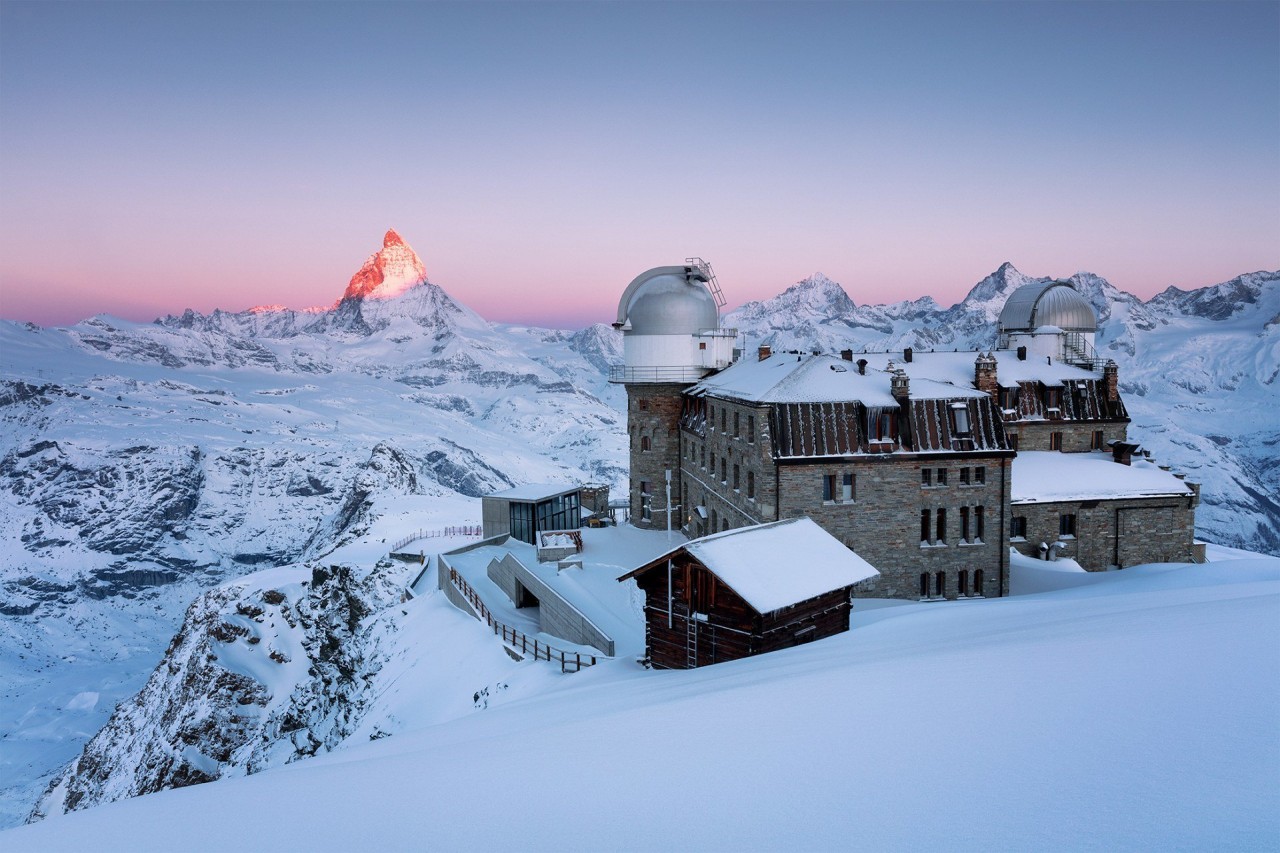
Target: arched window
(977, 581)
(964, 583)
(724, 524)
(715, 521)
(644, 444)
(940, 584)
(924, 584)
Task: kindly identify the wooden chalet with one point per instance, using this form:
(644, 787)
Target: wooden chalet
(746, 592)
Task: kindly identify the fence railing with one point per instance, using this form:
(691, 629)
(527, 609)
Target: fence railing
(569, 661)
(471, 530)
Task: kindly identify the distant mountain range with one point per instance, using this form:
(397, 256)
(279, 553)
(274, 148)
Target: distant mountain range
(142, 462)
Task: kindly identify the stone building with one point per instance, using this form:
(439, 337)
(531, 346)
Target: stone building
(905, 457)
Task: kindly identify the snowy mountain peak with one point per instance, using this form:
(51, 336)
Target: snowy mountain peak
(388, 272)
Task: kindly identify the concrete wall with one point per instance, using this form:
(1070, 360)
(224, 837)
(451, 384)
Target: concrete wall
(495, 516)
(1113, 533)
(556, 616)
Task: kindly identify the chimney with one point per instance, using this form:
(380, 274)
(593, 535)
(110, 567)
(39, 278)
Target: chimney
(906, 355)
(1111, 380)
(1122, 452)
(900, 385)
(862, 367)
(765, 351)
(846, 354)
(984, 374)
(1022, 353)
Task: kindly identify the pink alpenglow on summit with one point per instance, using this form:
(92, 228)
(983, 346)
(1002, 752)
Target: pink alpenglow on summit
(388, 272)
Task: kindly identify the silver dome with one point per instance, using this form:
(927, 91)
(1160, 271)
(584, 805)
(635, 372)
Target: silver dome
(667, 301)
(1053, 303)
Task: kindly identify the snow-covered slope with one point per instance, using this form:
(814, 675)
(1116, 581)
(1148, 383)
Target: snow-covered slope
(140, 463)
(1118, 711)
(1198, 369)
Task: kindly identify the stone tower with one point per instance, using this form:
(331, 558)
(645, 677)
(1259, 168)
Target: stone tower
(671, 338)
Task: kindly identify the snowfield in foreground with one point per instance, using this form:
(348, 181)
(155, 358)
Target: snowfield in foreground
(1109, 711)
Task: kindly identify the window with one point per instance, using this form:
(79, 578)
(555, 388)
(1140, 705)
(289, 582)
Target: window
(644, 444)
(702, 344)
(1018, 527)
(1055, 441)
(979, 524)
(980, 476)
(711, 418)
(723, 416)
(646, 501)
(846, 487)
(926, 477)
(942, 476)
(960, 419)
(828, 487)
(1096, 444)
(924, 584)
(751, 429)
(643, 404)
(964, 583)
(715, 521)
(977, 581)
(1067, 524)
(924, 527)
(724, 470)
(1013, 441)
(751, 484)
(735, 478)
(704, 457)
(940, 584)
(964, 524)
(735, 425)
(942, 527)
(964, 476)
(724, 524)
(880, 425)
(684, 503)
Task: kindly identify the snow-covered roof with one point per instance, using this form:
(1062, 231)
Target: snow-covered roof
(535, 491)
(791, 378)
(956, 368)
(1046, 476)
(778, 564)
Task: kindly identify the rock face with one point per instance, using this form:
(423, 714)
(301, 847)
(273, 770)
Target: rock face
(257, 676)
(388, 272)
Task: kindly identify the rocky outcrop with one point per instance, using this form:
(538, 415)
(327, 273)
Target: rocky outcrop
(260, 674)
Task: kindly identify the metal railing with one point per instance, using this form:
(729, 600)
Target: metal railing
(468, 530)
(622, 373)
(518, 640)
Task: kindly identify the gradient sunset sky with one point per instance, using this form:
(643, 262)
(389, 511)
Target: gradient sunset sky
(160, 156)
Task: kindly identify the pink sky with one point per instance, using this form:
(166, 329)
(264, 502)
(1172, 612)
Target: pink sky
(539, 156)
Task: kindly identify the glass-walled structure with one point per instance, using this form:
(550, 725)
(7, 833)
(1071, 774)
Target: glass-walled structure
(526, 511)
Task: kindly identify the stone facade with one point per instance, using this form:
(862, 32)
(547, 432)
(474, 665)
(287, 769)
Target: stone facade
(653, 423)
(1110, 533)
(1072, 436)
(730, 474)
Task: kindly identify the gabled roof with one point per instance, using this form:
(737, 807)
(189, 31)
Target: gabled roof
(775, 565)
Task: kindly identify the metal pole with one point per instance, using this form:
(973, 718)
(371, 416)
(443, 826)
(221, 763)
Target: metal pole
(668, 505)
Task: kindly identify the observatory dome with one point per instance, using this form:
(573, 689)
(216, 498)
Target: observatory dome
(667, 301)
(1054, 303)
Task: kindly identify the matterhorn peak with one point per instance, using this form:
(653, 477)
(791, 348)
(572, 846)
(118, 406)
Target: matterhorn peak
(388, 272)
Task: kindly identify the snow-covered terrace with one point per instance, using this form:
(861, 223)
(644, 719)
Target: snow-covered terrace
(1046, 477)
(593, 589)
